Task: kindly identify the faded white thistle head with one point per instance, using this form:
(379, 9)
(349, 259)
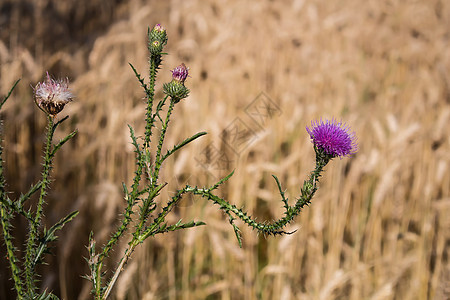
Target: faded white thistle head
(52, 95)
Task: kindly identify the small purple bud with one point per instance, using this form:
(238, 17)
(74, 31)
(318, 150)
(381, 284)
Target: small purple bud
(52, 95)
(333, 138)
(159, 28)
(180, 73)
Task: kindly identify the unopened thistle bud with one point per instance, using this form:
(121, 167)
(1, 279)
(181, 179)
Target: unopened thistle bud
(52, 95)
(176, 89)
(155, 47)
(157, 34)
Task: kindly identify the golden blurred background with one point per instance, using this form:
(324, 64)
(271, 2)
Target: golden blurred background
(378, 228)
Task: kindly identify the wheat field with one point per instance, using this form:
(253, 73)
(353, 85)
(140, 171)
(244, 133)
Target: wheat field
(378, 228)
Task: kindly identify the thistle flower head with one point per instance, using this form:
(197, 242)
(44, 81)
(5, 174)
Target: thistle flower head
(52, 95)
(333, 138)
(176, 89)
(180, 73)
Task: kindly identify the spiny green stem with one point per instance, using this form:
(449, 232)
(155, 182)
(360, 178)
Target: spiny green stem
(10, 250)
(5, 220)
(150, 91)
(308, 191)
(162, 215)
(27, 196)
(121, 229)
(131, 200)
(155, 176)
(158, 160)
(133, 243)
(119, 269)
(147, 207)
(139, 239)
(34, 226)
(153, 192)
(154, 61)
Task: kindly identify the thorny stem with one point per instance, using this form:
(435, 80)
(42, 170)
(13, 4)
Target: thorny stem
(155, 175)
(131, 200)
(119, 269)
(162, 215)
(10, 250)
(4, 218)
(308, 190)
(154, 63)
(139, 239)
(158, 160)
(34, 226)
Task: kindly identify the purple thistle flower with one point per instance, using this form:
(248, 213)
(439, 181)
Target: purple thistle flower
(180, 73)
(333, 138)
(52, 95)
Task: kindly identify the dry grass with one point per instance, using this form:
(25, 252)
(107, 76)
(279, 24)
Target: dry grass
(378, 227)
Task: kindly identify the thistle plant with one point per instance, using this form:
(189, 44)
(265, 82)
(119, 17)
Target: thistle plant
(50, 96)
(145, 214)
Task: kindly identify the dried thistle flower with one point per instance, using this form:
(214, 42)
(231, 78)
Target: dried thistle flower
(52, 95)
(333, 138)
